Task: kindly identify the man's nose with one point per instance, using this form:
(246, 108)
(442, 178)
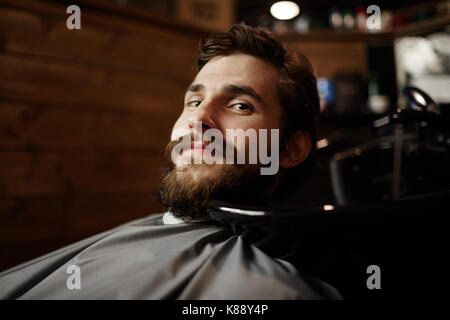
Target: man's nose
(205, 114)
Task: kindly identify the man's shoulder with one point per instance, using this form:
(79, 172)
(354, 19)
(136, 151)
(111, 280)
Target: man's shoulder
(151, 219)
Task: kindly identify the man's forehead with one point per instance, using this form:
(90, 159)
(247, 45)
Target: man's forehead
(239, 69)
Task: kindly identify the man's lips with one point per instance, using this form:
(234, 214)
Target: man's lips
(198, 146)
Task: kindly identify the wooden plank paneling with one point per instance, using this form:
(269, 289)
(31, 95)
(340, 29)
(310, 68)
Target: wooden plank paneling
(99, 45)
(35, 226)
(25, 125)
(87, 215)
(45, 218)
(40, 81)
(13, 254)
(113, 15)
(24, 172)
(329, 58)
(26, 220)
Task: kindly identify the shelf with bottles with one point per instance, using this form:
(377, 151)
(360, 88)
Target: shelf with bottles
(347, 25)
(422, 27)
(327, 35)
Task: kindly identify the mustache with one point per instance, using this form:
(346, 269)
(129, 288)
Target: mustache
(191, 137)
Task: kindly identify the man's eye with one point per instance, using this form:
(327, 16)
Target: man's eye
(241, 107)
(194, 104)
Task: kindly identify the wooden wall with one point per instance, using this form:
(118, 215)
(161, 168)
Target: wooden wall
(84, 115)
(333, 57)
(334, 52)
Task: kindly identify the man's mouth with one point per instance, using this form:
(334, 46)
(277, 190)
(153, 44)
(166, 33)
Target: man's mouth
(198, 147)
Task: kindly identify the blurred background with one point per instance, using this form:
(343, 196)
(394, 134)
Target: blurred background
(84, 114)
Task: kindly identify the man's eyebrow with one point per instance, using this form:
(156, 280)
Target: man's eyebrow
(245, 90)
(195, 88)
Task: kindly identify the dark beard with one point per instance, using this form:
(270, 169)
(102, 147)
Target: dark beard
(187, 199)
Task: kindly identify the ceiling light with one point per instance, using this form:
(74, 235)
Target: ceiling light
(284, 10)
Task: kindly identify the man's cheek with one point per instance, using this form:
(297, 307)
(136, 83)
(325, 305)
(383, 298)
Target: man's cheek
(179, 129)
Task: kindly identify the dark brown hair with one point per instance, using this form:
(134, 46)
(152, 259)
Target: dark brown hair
(297, 90)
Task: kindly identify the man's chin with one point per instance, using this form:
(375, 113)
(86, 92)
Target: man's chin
(187, 188)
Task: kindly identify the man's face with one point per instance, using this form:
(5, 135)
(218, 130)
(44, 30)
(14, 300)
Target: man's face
(230, 92)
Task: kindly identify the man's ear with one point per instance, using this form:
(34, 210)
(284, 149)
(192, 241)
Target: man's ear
(296, 150)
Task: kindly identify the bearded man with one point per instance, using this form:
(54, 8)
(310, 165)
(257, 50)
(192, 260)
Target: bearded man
(245, 137)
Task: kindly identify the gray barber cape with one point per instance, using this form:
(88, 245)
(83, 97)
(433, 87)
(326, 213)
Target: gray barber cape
(161, 257)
